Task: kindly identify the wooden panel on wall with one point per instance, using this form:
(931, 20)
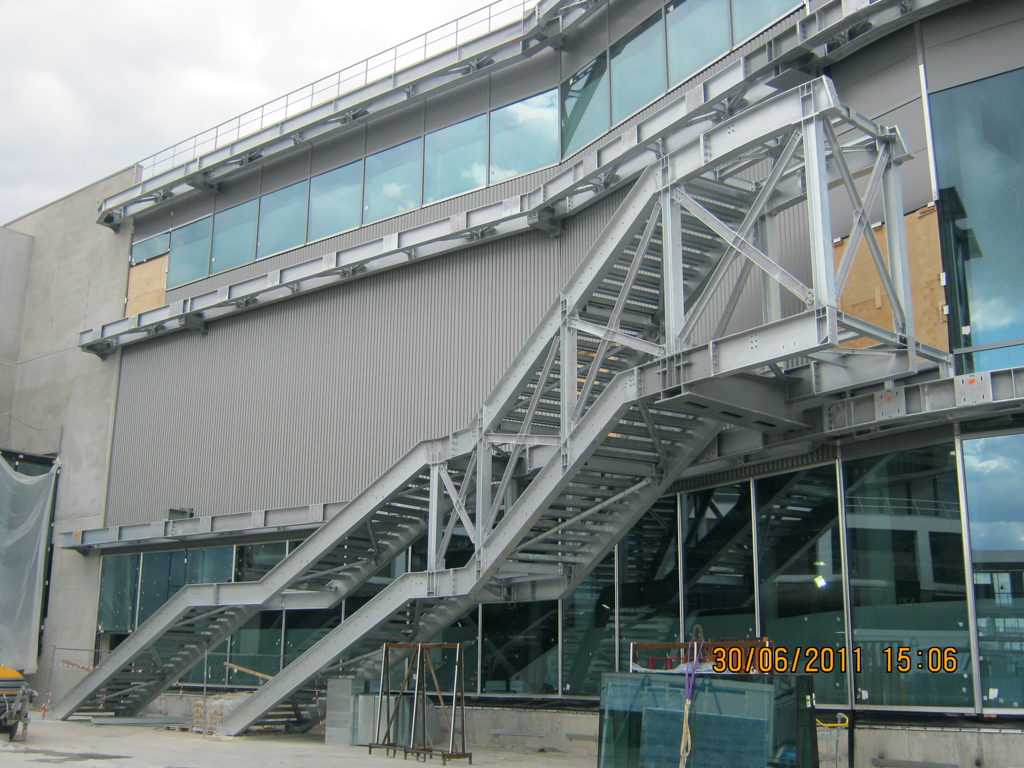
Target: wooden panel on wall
(865, 298)
(146, 285)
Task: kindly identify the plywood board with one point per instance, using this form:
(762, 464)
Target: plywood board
(865, 298)
(147, 284)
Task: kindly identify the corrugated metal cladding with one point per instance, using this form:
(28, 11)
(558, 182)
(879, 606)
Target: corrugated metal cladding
(309, 400)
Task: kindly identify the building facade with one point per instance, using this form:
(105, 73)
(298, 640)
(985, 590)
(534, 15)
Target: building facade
(277, 309)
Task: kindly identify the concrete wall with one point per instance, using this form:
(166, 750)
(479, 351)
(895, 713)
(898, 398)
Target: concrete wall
(62, 400)
(15, 251)
(961, 747)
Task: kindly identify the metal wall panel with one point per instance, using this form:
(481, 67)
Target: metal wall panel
(309, 400)
(972, 41)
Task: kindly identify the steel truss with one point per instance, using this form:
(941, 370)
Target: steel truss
(651, 351)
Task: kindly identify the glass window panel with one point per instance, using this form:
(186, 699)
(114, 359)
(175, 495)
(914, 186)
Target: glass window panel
(979, 154)
(698, 33)
(994, 478)
(254, 561)
(148, 249)
(303, 629)
(750, 16)
(462, 631)
(163, 574)
(211, 667)
(119, 586)
(190, 253)
(282, 220)
(234, 236)
(334, 201)
(209, 566)
(718, 562)
(800, 562)
(393, 180)
(638, 68)
(584, 99)
(907, 577)
(524, 136)
(649, 580)
(256, 645)
(455, 159)
(520, 647)
(588, 631)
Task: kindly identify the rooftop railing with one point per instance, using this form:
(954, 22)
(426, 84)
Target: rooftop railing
(473, 25)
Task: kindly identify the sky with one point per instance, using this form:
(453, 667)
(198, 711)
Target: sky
(88, 88)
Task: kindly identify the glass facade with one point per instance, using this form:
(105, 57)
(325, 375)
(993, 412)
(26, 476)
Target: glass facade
(119, 589)
(524, 136)
(907, 586)
(392, 181)
(648, 569)
(584, 105)
(750, 16)
(638, 68)
(509, 141)
(282, 220)
(234, 235)
(190, 253)
(520, 647)
(455, 159)
(800, 569)
(994, 481)
(876, 541)
(718, 591)
(979, 157)
(698, 33)
(145, 250)
(335, 201)
(588, 631)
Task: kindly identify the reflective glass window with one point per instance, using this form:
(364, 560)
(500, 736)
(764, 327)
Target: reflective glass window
(520, 650)
(256, 645)
(119, 585)
(455, 159)
(393, 179)
(282, 220)
(144, 250)
(649, 580)
(994, 478)
(698, 33)
(750, 16)
(335, 199)
(907, 585)
(190, 253)
(979, 157)
(584, 103)
(163, 574)
(524, 136)
(588, 631)
(254, 561)
(303, 629)
(718, 562)
(234, 236)
(209, 566)
(800, 563)
(638, 68)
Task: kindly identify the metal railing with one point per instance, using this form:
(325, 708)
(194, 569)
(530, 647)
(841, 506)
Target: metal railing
(473, 25)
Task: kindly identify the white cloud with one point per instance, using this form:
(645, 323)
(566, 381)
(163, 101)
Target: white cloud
(89, 89)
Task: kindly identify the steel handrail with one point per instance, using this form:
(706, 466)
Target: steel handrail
(445, 37)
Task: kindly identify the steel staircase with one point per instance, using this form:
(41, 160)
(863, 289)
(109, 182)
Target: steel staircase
(628, 379)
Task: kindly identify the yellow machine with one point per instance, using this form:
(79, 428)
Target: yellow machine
(15, 696)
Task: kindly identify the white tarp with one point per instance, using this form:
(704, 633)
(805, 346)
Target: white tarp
(24, 534)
